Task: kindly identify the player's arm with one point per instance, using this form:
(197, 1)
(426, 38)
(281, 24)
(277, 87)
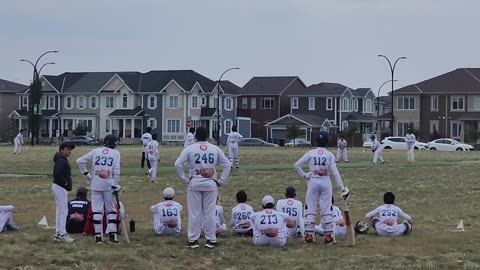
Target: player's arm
(373, 213)
(153, 208)
(232, 219)
(334, 170)
(226, 166)
(300, 162)
(116, 171)
(83, 160)
(404, 215)
(179, 166)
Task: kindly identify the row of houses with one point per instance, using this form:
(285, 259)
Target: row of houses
(125, 103)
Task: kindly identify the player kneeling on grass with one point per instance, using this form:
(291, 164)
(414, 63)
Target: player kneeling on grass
(241, 216)
(384, 218)
(322, 164)
(167, 219)
(294, 209)
(6, 219)
(339, 223)
(269, 226)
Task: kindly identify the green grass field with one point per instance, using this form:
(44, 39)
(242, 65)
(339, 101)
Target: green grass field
(437, 191)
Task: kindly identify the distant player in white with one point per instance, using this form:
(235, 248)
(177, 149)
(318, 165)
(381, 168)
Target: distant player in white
(410, 139)
(339, 222)
(167, 219)
(153, 158)
(322, 164)
(384, 219)
(377, 149)
(6, 219)
(269, 226)
(241, 216)
(202, 158)
(190, 138)
(294, 209)
(232, 145)
(18, 141)
(220, 219)
(104, 181)
(342, 149)
(146, 138)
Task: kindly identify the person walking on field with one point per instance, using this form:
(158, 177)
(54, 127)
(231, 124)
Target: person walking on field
(342, 149)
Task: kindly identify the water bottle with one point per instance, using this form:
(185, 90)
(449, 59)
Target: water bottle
(132, 225)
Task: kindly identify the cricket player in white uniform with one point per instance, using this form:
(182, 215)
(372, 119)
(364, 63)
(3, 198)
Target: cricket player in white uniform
(153, 158)
(18, 141)
(232, 145)
(342, 149)
(146, 138)
(6, 219)
(202, 192)
(104, 181)
(269, 226)
(339, 222)
(167, 219)
(241, 216)
(294, 209)
(220, 219)
(410, 139)
(190, 138)
(377, 149)
(384, 219)
(322, 165)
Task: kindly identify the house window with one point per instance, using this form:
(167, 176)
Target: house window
(268, 103)
(173, 102)
(355, 105)
(458, 103)
(329, 103)
(68, 102)
(228, 104)
(406, 103)
(44, 103)
(109, 102)
(351, 105)
(51, 102)
(456, 129)
(204, 101)
(124, 101)
(344, 125)
(311, 103)
(227, 127)
(81, 102)
(107, 126)
(93, 102)
(244, 103)
(253, 103)
(214, 103)
(194, 102)
(434, 103)
(295, 103)
(345, 104)
(402, 129)
(476, 105)
(152, 102)
(173, 126)
(434, 124)
(152, 122)
(25, 101)
(368, 106)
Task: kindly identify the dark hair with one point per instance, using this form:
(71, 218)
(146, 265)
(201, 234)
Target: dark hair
(372, 137)
(341, 136)
(149, 130)
(21, 130)
(322, 139)
(241, 196)
(66, 145)
(234, 128)
(389, 198)
(268, 206)
(201, 134)
(290, 192)
(82, 192)
(191, 130)
(154, 136)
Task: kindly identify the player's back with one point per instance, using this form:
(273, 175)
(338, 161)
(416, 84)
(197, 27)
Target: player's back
(269, 219)
(146, 138)
(233, 139)
(202, 155)
(168, 210)
(388, 214)
(241, 214)
(152, 149)
(320, 162)
(291, 207)
(105, 164)
(220, 219)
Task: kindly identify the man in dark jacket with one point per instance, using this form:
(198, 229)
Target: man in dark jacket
(62, 183)
(77, 211)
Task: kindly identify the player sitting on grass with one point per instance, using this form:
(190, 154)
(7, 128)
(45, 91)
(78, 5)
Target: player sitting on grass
(269, 226)
(241, 214)
(220, 219)
(384, 218)
(6, 219)
(166, 215)
(339, 227)
(78, 211)
(294, 209)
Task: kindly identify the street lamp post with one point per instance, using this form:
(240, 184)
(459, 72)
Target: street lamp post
(218, 103)
(379, 133)
(34, 87)
(392, 70)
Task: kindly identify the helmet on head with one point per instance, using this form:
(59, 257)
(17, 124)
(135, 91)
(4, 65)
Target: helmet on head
(110, 141)
(322, 139)
(361, 227)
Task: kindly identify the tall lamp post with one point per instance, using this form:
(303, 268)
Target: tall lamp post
(36, 94)
(218, 103)
(379, 133)
(392, 70)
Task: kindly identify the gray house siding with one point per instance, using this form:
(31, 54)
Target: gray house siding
(227, 115)
(153, 113)
(244, 125)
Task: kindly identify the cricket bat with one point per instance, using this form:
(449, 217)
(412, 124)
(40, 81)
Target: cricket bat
(348, 223)
(124, 228)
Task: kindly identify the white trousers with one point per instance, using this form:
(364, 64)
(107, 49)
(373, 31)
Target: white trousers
(390, 231)
(410, 155)
(18, 148)
(6, 216)
(101, 200)
(201, 207)
(342, 154)
(377, 155)
(233, 156)
(162, 230)
(264, 240)
(61, 201)
(340, 231)
(153, 169)
(319, 191)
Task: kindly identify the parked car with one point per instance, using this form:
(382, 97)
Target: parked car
(367, 144)
(446, 144)
(398, 143)
(83, 140)
(256, 142)
(298, 142)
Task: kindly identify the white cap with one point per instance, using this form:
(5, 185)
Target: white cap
(267, 199)
(169, 193)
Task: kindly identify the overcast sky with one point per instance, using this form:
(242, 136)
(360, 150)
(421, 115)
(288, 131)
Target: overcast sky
(332, 41)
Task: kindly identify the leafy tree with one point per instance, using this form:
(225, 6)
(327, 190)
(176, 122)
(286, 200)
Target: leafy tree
(472, 135)
(293, 132)
(349, 132)
(80, 130)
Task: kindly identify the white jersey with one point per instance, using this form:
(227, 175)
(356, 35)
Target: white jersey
(152, 150)
(294, 209)
(377, 146)
(322, 163)
(105, 168)
(146, 138)
(388, 214)
(410, 139)
(342, 144)
(202, 158)
(233, 139)
(19, 138)
(337, 214)
(190, 140)
(269, 219)
(165, 211)
(241, 214)
(219, 217)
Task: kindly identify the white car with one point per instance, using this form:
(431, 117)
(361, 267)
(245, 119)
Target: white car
(398, 143)
(298, 142)
(449, 145)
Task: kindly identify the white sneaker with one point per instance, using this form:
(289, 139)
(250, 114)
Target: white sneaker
(65, 238)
